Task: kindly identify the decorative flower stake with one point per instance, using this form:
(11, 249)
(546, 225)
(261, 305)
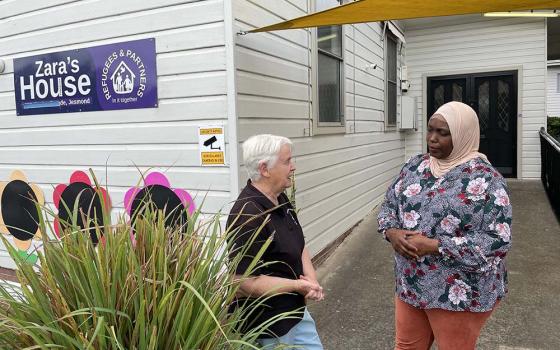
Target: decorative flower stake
(157, 191)
(90, 206)
(19, 216)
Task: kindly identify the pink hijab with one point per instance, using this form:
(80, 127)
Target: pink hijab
(465, 133)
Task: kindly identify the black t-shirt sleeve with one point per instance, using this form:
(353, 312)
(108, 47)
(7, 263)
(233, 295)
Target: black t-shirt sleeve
(245, 238)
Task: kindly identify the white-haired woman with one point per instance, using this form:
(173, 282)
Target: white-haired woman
(287, 275)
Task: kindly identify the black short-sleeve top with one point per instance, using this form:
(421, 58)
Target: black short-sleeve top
(286, 247)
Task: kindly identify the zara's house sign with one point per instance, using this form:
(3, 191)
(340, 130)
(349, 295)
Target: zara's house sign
(107, 77)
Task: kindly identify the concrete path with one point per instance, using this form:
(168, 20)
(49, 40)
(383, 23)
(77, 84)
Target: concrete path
(358, 310)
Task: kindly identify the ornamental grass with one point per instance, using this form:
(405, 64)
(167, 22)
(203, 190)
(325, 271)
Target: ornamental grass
(144, 286)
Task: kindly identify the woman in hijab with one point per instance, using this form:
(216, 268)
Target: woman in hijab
(448, 218)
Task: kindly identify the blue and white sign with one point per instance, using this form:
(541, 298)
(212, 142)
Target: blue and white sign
(107, 77)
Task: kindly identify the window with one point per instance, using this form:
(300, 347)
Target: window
(391, 79)
(330, 72)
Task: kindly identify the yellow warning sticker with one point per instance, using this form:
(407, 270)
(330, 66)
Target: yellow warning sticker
(212, 158)
(211, 131)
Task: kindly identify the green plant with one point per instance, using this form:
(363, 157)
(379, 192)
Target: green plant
(169, 288)
(553, 127)
(292, 192)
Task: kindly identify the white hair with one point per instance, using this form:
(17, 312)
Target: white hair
(260, 149)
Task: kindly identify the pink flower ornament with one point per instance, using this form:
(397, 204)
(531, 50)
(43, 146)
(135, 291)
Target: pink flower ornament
(158, 195)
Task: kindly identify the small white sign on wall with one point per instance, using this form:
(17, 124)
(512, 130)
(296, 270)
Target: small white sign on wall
(211, 145)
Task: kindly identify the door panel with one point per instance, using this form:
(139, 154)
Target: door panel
(494, 97)
(445, 90)
(496, 105)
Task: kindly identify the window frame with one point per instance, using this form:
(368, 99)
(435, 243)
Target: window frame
(320, 127)
(391, 36)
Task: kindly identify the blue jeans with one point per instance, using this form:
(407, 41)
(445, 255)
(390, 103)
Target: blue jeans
(304, 335)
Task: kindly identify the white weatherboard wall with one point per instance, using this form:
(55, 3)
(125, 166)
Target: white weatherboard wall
(191, 67)
(471, 44)
(552, 93)
(341, 177)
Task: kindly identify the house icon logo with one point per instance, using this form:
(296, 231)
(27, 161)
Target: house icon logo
(126, 79)
(123, 79)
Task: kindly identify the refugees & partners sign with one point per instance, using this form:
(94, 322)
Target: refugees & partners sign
(107, 77)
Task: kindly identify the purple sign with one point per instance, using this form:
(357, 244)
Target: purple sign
(107, 77)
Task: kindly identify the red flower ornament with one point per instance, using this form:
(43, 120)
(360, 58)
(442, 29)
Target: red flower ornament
(90, 202)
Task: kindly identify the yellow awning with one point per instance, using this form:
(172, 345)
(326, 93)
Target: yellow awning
(383, 10)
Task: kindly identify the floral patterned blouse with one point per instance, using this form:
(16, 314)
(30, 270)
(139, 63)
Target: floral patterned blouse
(469, 212)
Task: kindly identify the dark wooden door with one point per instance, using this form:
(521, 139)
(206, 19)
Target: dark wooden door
(494, 98)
